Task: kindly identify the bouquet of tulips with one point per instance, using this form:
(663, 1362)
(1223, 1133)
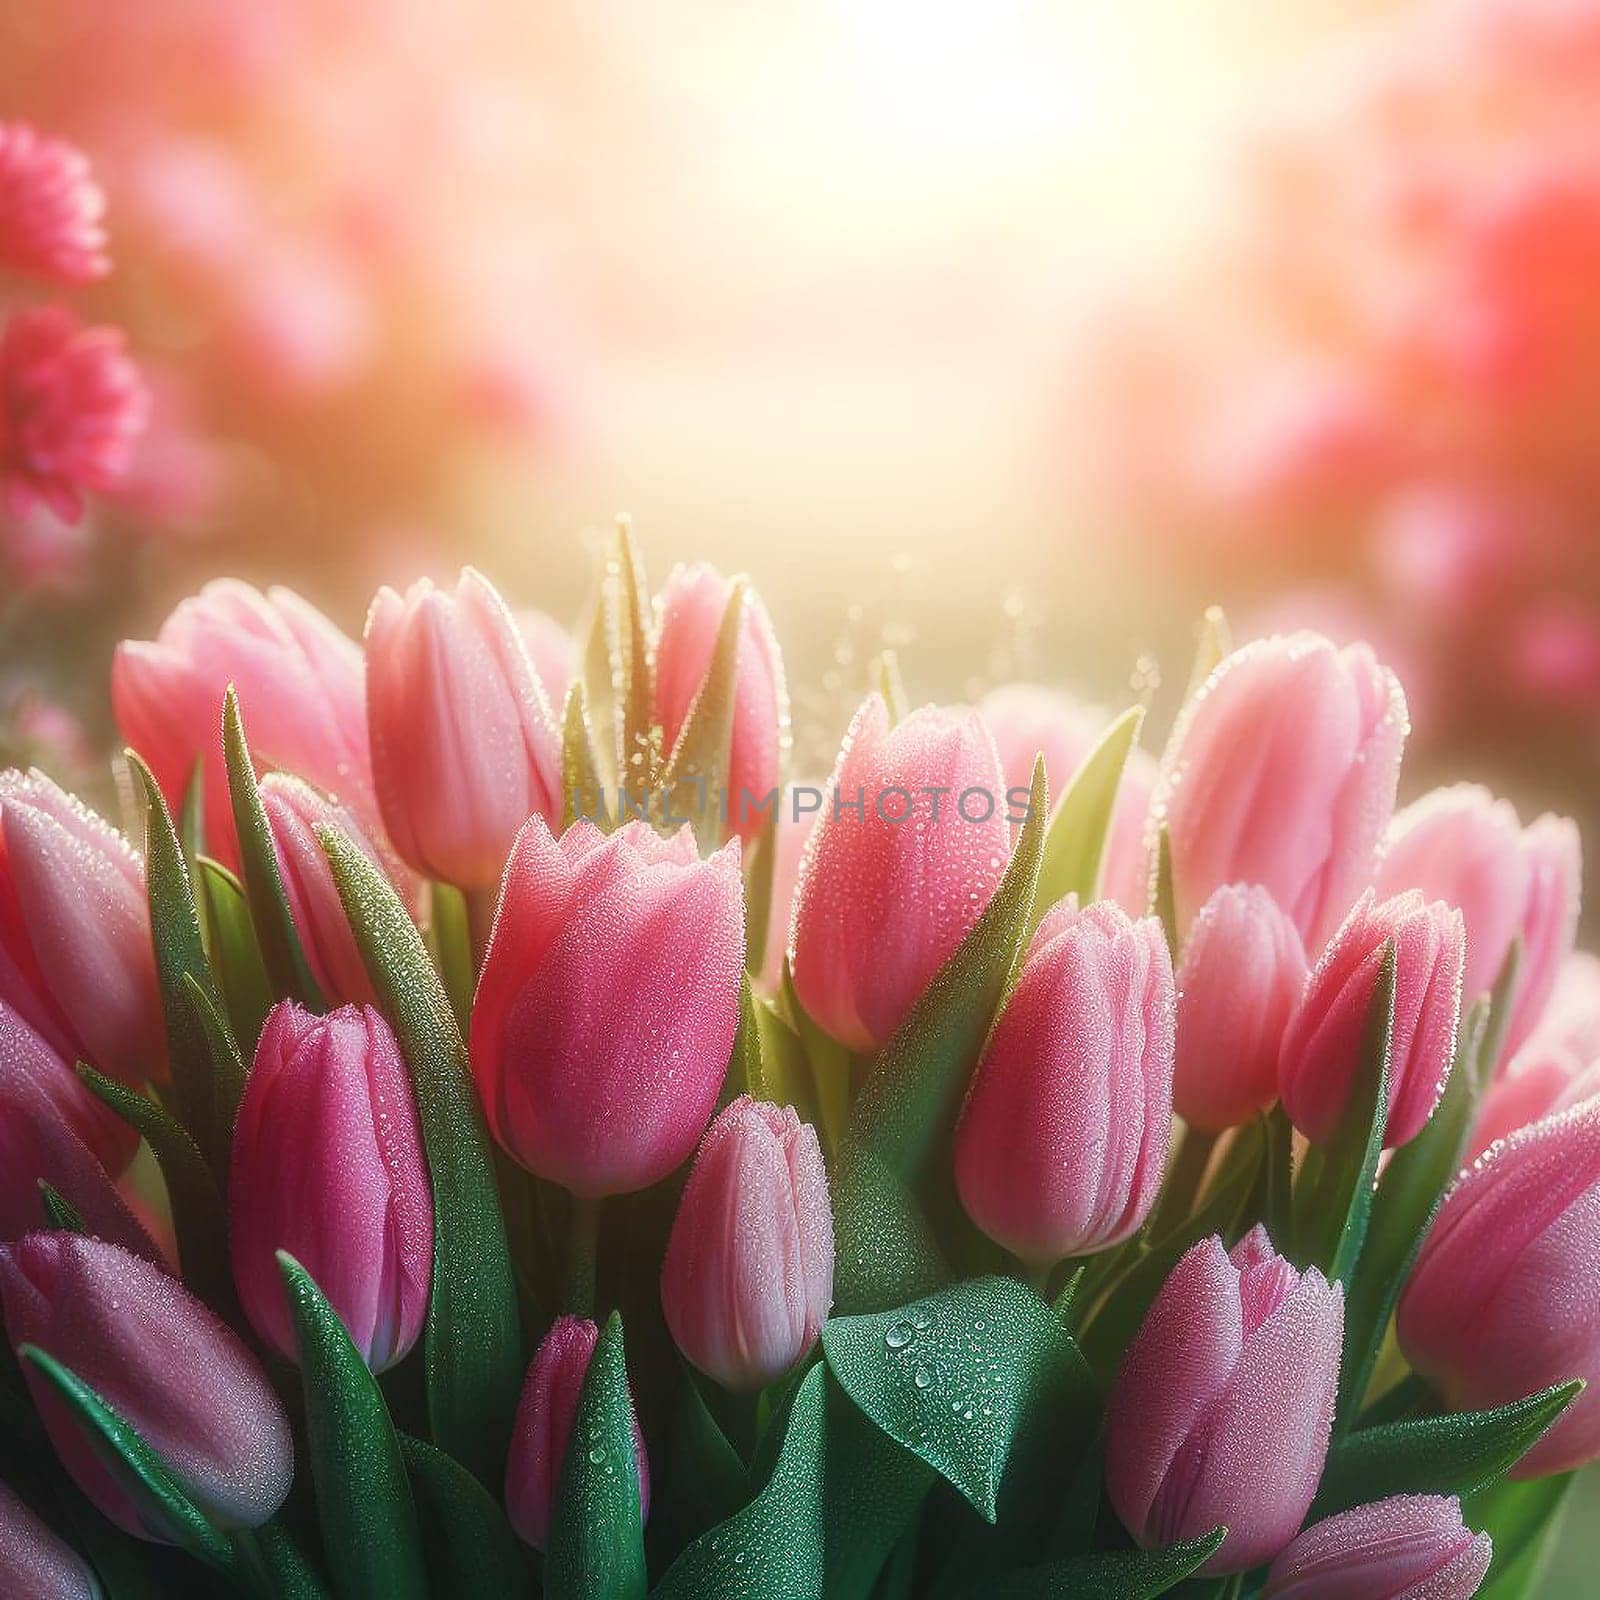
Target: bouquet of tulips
(504, 1135)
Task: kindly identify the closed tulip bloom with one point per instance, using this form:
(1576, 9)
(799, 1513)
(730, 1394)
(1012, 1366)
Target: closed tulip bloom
(1281, 771)
(896, 874)
(464, 745)
(608, 1002)
(690, 612)
(300, 685)
(1323, 1043)
(1409, 1547)
(163, 1362)
(1241, 976)
(1549, 923)
(748, 1277)
(35, 1564)
(328, 1165)
(77, 918)
(1501, 1300)
(1062, 1142)
(1221, 1414)
(544, 1424)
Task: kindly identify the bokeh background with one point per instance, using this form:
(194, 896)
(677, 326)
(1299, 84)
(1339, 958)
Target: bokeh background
(1008, 334)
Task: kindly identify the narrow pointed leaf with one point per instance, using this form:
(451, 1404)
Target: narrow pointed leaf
(887, 681)
(59, 1212)
(602, 680)
(697, 768)
(1163, 897)
(633, 603)
(582, 791)
(1107, 1574)
(191, 818)
(469, 1545)
(234, 952)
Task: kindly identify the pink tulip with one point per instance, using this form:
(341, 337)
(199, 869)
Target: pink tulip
(1500, 1301)
(1323, 1044)
(795, 827)
(1282, 771)
(34, 1563)
(1125, 871)
(748, 1277)
(78, 930)
(608, 1002)
(1061, 1146)
(1542, 1079)
(1409, 1547)
(1241, 977)
(328, 1165)
(464, 746)
(1221, 1414)
(163, 1362)
(1549, 921)
(913, 839)
(50, 208)
(300, 691)
(551, 652)
(691, 608)
(545, 1415)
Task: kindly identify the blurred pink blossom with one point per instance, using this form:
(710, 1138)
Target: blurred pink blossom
(50, 208)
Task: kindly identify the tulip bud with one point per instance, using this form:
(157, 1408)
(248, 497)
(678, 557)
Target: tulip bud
(795, 827)
(543, 1426)
(1241, 976)
(34, 1563)
(1281, 771)
(1500, 1302)
(80, 922)
(1061, 1146)
(328, 1165)
(1221, 1414)
(748, 1277)
(912, 842)
(464, 746)
(1409, 1547)
(608, 1002)
(1322, 1048)
(299, 681)
(691, 608)
(163, 1362)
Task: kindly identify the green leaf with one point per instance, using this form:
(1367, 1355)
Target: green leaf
(596, 1549)
(890, 685)
(192, 814)
(1163, 895)
(470, 1547)
(449, 940)
(473, 1342)
(235, 955)
(59, 1212)
(633, 632)
(289, 1575)
(369, 1524)
(582, 791)
(1456, 1453)
(1107, 1574)
(928, 1375)
(769, 1062)
(704, 1480)
(775, 1544)
(1075, 845)
(1523, 1519)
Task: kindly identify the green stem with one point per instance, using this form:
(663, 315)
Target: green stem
(1182, 1188)
(583, 1243)
(481, 907)
(452, 943)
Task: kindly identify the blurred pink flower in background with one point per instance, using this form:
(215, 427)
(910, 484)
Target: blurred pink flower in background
(50, 208)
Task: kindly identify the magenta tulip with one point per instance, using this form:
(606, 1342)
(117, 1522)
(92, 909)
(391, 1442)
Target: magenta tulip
(1061, 1146)
(77, 928)
(543, 1426)
(464, 744)
(1221, 1414)
(1500, 1302)
(608, 1002)
(1241, 976)
(1409, 1547)
(1322, 1047)
(164, 1363)
(691, 607)
(748, 1277)
(35, 1564)
(1282, 772)
(912, 841)
(328, 1165)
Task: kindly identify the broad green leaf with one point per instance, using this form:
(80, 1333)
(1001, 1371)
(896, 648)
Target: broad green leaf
(932, 1377)
(1524, 1520)
(596, 1548)
(774, 1545)
(1455, 1453)
(473, 1342)
(704, 1480)
(59, 1212)
(1106, 1574)
(469, 1545)
(369, 1524)
(582, 790)
(235, 954)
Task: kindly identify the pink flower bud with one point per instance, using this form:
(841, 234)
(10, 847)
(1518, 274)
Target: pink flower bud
(300, 691)
(545, 1415)
(1322, 1046)
(795, 827)
(163, 1362)
(464, 746)
(80, 922)
(34, 1563)
(1282, 771)
(1240, 979)
(1221, 1414)
(1500, 1302)
(1062, 1142)
(748, 1277)
(913, 839)
(1409, 1547)
(608, 1002)
(1549, 920)
(691, 607)
(328, 1165)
